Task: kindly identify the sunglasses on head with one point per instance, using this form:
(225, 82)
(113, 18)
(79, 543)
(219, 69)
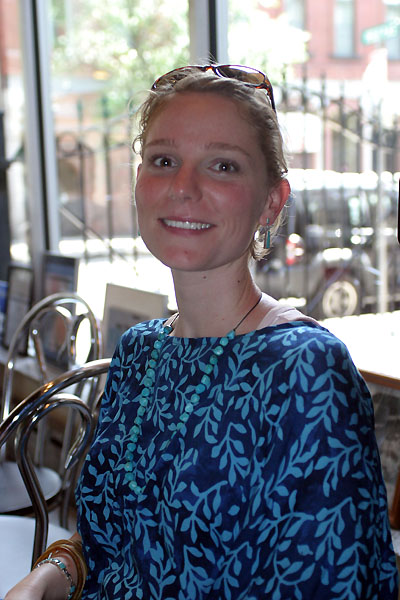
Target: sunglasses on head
(249, 76)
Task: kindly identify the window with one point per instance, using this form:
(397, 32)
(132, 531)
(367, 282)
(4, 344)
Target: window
(343, 23)
(104, 57)
(393, 44)
(295, 12)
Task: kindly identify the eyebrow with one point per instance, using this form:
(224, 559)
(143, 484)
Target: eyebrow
(161, 142)
(225, 146)
(209, 146)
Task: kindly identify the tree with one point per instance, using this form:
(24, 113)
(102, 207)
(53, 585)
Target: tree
(119, 47)
(258, 40)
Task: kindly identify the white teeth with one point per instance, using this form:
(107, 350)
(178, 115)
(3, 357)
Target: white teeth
(186, 224)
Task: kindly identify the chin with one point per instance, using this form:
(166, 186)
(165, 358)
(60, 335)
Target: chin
(180, 263)
(177, 257)
(199, 259)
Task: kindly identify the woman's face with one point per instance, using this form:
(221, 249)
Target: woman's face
(202, 188)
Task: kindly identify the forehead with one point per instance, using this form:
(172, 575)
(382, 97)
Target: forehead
(208, 113)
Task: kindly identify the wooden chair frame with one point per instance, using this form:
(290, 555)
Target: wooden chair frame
(393, 384)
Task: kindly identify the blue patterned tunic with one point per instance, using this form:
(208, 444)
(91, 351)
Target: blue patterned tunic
(272, 489)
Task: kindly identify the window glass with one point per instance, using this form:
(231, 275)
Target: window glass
(330, 253)
(343, 28)
(104, 57)
(12, 102)
(295, 12)
(393, 44)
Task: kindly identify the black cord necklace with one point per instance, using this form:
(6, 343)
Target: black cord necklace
(248, 312)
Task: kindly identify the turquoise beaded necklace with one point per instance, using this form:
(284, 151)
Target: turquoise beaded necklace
(147, 392)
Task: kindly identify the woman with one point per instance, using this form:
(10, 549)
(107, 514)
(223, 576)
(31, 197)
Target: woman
(235, 455)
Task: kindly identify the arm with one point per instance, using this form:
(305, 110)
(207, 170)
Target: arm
(47, 582)
(312, 521)
(326, 495)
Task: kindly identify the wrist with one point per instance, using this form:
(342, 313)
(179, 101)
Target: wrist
(47, 583)
(69, 582)
(66, 556)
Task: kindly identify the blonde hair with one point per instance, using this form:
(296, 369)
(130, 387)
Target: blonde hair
(254, 106)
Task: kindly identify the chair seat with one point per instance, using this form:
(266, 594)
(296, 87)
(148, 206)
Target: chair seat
(17, 533)
(13, 494)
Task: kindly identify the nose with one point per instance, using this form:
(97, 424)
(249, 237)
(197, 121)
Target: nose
(185, 184)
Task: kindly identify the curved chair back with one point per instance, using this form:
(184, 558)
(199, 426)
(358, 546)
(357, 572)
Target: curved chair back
(21, 422)
(59, 326)
(72, 311)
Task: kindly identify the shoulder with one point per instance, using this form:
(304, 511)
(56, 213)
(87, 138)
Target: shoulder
(295, 343)
(307, 359)
(314, 346)
(139, 331)
(132, 343)
(300, 335)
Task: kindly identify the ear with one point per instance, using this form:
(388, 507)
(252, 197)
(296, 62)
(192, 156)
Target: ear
(276, 200)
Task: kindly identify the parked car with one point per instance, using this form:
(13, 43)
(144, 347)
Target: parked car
(325, 256)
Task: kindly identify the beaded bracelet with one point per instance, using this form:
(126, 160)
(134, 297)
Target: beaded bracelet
(73, 549)
(60, 565)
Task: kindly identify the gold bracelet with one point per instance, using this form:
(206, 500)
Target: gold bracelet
(78, 559)
(74, 549)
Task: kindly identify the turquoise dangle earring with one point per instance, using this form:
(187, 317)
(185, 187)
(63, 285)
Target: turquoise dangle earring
(265, 231)
(267, 236)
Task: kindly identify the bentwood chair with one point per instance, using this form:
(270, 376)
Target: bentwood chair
(23, 539)
(62, 333)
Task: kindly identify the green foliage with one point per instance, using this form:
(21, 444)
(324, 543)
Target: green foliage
(118, 47)
(257, 40)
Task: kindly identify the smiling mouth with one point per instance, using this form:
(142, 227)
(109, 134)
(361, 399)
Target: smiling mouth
(187, 225)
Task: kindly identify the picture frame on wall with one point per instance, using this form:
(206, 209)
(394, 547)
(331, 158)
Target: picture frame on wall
(19, 301)
(124, 307)
(59, 273)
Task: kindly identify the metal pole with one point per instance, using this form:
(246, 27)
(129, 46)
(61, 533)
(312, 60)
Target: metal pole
(381, 246)
(82, 162)
(107, 164)
(4, 220)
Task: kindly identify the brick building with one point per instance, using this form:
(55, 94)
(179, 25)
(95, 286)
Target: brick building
(336, 47)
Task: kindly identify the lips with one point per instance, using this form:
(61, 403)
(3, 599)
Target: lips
(188, 225)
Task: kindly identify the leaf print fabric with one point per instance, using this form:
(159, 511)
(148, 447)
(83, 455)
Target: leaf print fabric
(272, 489)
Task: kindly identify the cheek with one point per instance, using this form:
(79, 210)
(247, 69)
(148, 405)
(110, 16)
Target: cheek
(140, 189)
(143, 206)
(246, 205)
(146, 195)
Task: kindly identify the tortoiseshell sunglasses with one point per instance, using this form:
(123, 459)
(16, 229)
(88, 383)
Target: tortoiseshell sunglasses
(249, 76)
